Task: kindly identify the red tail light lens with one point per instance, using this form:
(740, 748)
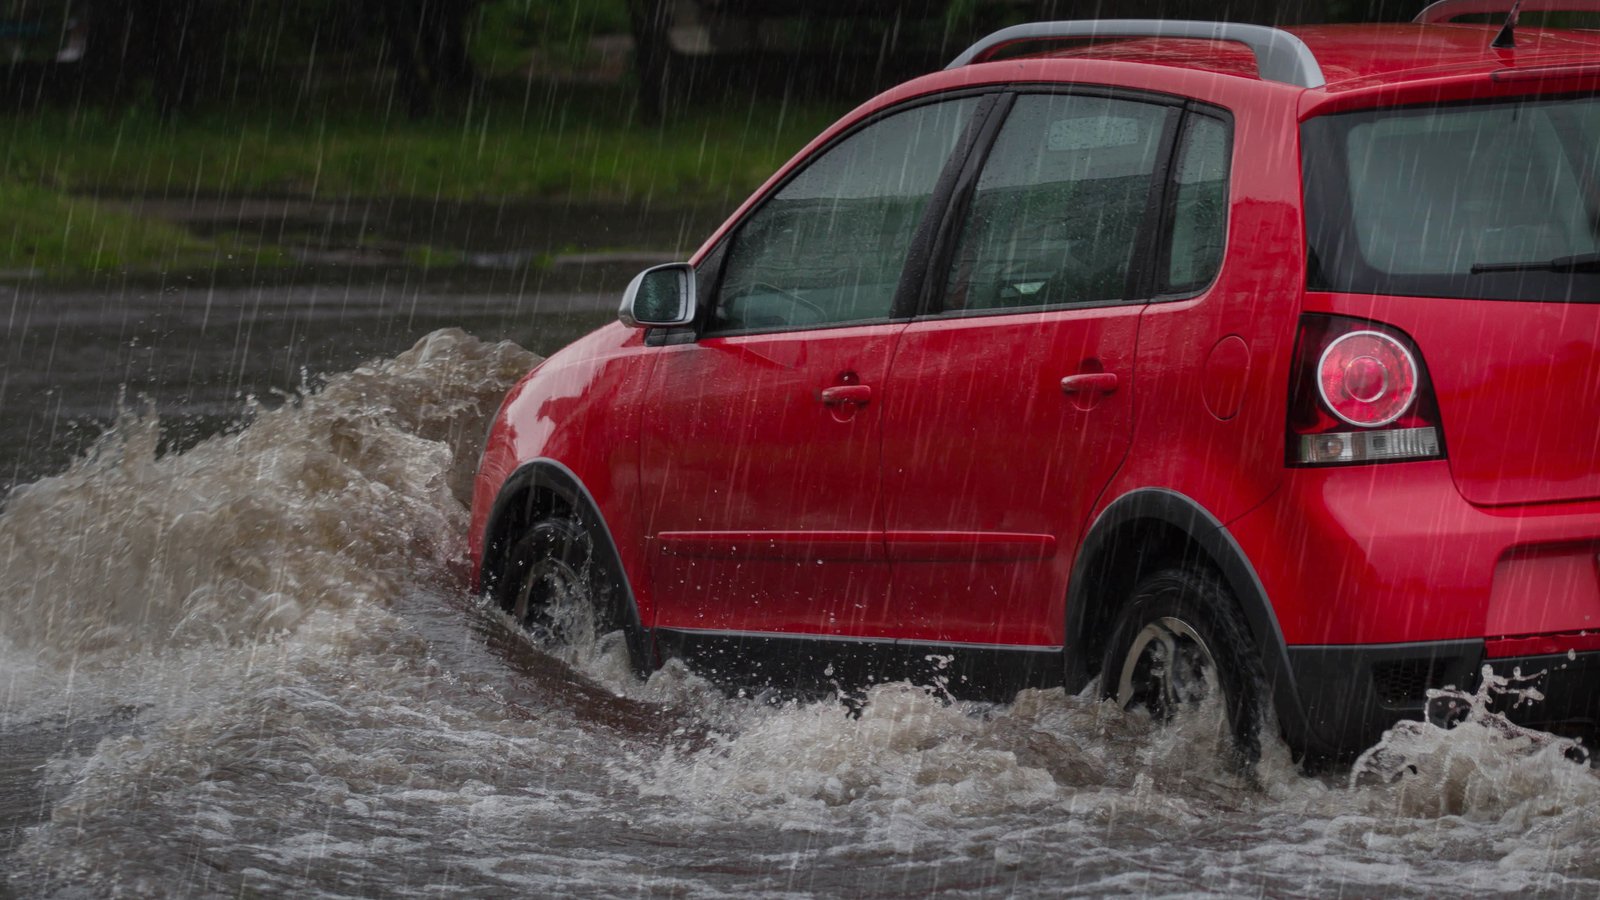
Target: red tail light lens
(1359, 394)
(1367, 378)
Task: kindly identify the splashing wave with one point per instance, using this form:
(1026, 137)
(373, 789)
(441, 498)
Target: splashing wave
(331, 501)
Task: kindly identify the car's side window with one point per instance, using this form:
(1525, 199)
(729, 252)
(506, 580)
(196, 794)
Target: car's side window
(1057, 210)
(1199, 205)
(829, 247)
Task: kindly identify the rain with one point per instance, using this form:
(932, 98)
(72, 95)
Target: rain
(271, 269)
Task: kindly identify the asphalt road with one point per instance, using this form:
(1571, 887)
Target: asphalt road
(196, 353)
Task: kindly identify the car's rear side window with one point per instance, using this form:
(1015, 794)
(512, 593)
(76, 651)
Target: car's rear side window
(828, 248)
(1470, 200)
(1199, 227)
(1057, 210)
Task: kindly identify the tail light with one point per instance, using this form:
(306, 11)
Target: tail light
(1359, 394)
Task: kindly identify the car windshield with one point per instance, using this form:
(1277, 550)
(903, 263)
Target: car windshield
(1488, 200)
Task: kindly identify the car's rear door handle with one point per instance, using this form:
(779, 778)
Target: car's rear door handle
(846, 395)
(1090, 383)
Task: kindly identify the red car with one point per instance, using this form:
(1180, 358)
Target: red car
(1192, 357)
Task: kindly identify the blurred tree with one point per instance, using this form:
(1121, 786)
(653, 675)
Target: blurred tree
(652, 54)
(426, 41)
(185, 49)
(1376, 10)
(177, 44)
(521, 38)
(1264, 12)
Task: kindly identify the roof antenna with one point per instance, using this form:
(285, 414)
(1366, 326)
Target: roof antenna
(1507, 38)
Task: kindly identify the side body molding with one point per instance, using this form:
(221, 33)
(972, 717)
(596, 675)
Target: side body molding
(512, 503)
(1162, 508)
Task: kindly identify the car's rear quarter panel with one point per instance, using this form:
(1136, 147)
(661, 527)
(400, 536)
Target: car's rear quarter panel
(1211, 414)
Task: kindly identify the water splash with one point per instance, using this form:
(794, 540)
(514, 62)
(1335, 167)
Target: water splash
(1480, 764)
(333, 500)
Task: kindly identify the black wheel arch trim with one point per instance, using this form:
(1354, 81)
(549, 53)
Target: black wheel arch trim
(551, 475)
(1183, 513)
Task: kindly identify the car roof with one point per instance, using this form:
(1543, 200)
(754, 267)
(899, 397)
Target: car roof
(1360, 56)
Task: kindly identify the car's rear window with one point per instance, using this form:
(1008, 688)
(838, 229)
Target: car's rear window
(1493, 200)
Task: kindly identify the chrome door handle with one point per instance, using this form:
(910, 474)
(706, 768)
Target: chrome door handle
(1089, 383)
(846, 395)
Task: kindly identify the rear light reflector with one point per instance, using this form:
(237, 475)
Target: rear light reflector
(1367, 378)
(1359, 394)
(1369, 446)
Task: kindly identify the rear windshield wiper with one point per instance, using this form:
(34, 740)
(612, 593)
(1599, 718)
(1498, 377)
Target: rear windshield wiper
(1583, 262)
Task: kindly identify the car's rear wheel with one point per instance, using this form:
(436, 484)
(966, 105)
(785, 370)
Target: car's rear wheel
(1181, 642)
(558, 587)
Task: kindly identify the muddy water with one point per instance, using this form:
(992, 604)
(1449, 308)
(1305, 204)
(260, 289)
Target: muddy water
(248, 666)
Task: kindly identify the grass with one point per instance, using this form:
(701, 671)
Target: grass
(428, 257)
(581, 145)
(529, 142)
(55, 235)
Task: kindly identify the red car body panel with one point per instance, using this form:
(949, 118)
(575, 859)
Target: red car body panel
(1361, 559)
(809, 468)
(579, 409)
(1204, 393)
(965, 393)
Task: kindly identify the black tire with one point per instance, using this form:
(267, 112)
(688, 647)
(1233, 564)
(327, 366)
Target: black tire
(1193, 614)
(559, 586)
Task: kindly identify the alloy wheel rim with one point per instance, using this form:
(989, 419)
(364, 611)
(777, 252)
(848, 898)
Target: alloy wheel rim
(552, 602)
(1167, 667)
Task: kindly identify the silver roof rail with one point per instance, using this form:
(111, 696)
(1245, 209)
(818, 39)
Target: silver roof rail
(1447, 10)
(1280, 56)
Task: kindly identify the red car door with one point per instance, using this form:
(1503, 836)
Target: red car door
(762, 437)
(1010, 406)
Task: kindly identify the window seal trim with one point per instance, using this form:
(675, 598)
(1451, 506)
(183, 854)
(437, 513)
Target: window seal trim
(1143, 280)
(932, 237)
(1037, 310)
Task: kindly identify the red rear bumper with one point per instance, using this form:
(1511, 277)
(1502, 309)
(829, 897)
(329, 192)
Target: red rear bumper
(1388, 554)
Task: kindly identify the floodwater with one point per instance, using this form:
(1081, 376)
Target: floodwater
(237, 658)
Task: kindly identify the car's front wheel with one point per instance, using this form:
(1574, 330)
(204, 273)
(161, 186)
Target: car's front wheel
(558, 586)
(1181, 642)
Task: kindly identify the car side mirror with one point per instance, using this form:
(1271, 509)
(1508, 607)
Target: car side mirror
(659, 297)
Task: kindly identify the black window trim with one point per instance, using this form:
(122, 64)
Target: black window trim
(1145, 241)
(1160, 270)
